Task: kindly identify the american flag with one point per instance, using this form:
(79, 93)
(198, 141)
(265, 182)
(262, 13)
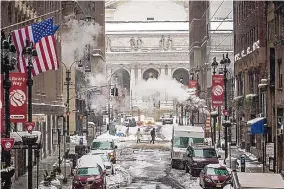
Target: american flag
(42, 35)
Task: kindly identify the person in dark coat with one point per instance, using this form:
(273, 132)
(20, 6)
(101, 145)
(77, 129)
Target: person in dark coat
(153, 135)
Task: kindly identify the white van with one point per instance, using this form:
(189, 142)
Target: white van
(183, 136)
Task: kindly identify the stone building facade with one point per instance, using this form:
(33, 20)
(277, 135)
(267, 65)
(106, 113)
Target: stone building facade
(250, 68)
(139, 46)
(47, 87)
(275, 54)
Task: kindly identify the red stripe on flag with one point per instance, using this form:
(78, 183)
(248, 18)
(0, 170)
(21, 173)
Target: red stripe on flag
(54, 44)
(43, 55)
(49, 53)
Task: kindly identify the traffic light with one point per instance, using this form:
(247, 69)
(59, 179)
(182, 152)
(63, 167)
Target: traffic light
(112, 92)
(116, 92)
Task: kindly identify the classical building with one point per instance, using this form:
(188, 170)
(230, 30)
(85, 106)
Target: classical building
(275, 52)
(149, 44)
(250, 68)
(47, 87)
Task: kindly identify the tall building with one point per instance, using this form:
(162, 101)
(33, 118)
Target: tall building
(250, 68)
(47, 87)
(82, 10)
(275, 59)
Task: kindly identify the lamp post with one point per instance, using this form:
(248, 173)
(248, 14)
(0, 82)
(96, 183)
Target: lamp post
(68, 83)
(8, 61)
(226, 62)
(30, 53)
(197, 71)
(181, 106)
(214, 66)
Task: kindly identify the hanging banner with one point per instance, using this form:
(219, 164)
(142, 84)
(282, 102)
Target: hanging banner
(192, 84)
(217, 90)
(18, 97)
(2, 123)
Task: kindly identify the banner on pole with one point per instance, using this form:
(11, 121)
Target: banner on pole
(2, 123)
(18, 97)
(217, 90)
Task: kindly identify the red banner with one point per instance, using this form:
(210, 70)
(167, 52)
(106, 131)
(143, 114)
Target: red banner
(2, 105)
(192, 83)
(18, 97)
(217, 90)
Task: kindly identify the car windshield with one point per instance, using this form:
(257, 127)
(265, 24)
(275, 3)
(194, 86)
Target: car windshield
(106, 145)
(105, 157)
(217, 171)
(88, 171)
(205, 153)
(181, 142)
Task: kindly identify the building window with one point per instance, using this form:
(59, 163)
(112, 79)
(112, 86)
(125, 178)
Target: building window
(280, 75)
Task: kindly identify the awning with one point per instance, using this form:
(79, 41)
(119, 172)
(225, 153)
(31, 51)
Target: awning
(257, 125)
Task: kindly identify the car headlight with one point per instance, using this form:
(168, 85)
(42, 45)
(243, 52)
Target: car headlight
(110, 154)
(208, 180)
(75, 182)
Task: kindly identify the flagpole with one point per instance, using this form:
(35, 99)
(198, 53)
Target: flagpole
(32, 19)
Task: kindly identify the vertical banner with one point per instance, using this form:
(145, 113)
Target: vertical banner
(88, 64)
(217, 90)
(18, 97)
(1, 105)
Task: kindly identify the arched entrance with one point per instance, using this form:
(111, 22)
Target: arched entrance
(121, 77)
(181, 74)
(150, 73)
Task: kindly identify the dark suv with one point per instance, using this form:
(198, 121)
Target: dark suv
(197, 157)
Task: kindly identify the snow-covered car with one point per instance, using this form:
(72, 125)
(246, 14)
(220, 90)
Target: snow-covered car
(105, 145)
(167, 119)
(85, 159)
(89, 174)
(107, 162)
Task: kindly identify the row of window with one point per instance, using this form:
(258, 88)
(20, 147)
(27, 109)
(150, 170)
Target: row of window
(244, 9)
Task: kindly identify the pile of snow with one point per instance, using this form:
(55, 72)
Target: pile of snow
(147, 146)
(75, 139)
(18, 135)
(185, 180)
(121, 178)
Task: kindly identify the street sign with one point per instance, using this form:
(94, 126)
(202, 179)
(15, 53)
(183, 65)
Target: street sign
(55, 137)
(7, 143)
(225, 112)
(30, 126)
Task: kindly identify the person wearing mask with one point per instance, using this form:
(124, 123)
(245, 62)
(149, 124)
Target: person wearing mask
(138, 135)
(153, 135)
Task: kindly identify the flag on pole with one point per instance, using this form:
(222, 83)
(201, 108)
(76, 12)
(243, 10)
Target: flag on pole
(42, 35)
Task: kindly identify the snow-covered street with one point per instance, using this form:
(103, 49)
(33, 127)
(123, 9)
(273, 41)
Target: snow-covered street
(147, 166)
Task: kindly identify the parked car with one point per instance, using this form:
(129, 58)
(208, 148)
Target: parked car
(89, 175)
(214, 176)
(93, 158)
(107, 162)
(105, 146)
(167, 119)
(198, 156)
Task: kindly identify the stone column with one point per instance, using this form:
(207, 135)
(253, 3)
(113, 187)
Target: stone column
(139, 74)
(163, 72)
(170, 72)
(132, 81)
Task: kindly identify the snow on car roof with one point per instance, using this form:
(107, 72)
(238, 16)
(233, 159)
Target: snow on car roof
(102, 140)
(90, 161)
(215, 166)
(188, 128)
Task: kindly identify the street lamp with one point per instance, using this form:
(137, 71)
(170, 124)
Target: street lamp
(30, 53)
(68, 83)
(197, 71)
(225, 62)
(8, 61)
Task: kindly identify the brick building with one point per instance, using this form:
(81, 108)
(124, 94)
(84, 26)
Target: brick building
(275, 54)
(250, 63)
(47, 87)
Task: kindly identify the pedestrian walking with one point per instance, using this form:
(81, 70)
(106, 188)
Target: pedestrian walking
(138, 135)
(153, 135)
